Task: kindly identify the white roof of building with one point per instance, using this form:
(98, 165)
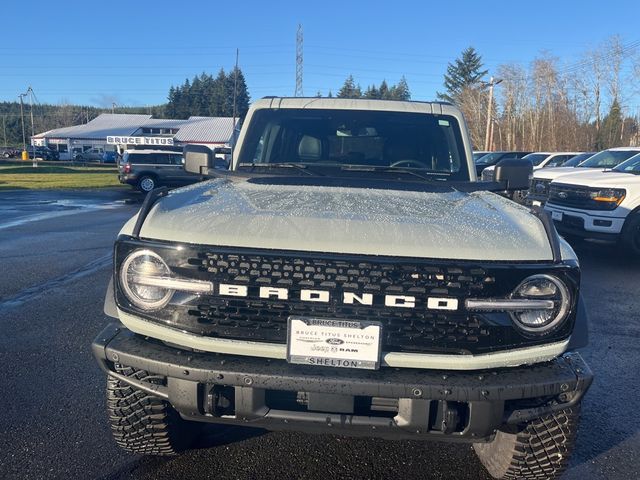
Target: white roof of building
(192, 130)
(206, 130)
(100, 127)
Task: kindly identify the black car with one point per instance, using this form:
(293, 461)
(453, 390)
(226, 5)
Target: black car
(9, 152)
(43, 153)
(494, 157)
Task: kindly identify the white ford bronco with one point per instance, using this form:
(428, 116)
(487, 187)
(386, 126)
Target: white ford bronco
(348, 275)
(599, 204)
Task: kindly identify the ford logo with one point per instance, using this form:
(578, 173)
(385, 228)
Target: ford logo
(334, 341)
(563, 194)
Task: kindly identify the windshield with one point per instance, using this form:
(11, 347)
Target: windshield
(577, 160)
(478, 155)
(490, 158)
(630, 166)
(345, 139)
(608, 158)
(536, 158)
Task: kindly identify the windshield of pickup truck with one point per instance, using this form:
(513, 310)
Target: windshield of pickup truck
(630, 166)
(608, 158)
(355, 140)
(536, 158)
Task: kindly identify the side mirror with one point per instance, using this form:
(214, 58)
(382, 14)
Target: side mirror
(514, 173)
(198, 159)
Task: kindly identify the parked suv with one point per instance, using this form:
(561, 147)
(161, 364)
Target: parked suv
(348, 275)
(149, 169)
(599, 204)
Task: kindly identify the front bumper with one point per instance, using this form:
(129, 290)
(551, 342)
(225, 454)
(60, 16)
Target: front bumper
(587, 224)
(535, 199)
(389, 403)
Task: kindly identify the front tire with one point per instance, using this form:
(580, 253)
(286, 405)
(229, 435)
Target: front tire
(145, 424)
(147, 183)
(631, 233)
(539, 449)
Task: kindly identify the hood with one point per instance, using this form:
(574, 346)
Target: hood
(599, 178)
(450, 224)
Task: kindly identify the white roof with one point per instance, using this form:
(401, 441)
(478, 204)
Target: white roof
(192, 130)
(205, 130)
(103, 125)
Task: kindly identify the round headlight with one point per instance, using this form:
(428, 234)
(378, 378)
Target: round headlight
(136, 270)
(556, 308)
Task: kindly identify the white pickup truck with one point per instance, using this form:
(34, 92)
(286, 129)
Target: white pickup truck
(539, 188)
(599, 204)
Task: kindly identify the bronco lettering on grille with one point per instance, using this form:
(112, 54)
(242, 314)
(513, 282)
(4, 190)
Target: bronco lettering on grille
(348, 298)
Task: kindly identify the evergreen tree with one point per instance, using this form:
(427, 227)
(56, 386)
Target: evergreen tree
(349, 89)
(170, 110)
(242, 93)
(463, 73)
(609, 134)
(401, 90)
(371, 92)
(218, 95)
(383, 91)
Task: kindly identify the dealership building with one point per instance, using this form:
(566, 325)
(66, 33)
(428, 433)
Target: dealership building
(117, 132)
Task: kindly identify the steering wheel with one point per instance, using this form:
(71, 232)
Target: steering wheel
(409, 163)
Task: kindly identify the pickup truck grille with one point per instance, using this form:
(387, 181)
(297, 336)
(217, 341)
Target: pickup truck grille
(576, 197)
(539, 187)
(418, 329)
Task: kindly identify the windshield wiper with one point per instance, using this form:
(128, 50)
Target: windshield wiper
(377, 168)
(297, 166)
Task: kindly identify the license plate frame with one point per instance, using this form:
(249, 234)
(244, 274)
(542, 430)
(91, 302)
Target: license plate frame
(334, 342)
(556, 216)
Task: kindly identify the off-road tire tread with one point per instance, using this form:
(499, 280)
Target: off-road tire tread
(538, 451)
(142, 423)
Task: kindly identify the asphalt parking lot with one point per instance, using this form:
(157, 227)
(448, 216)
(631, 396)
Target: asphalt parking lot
(55, 262)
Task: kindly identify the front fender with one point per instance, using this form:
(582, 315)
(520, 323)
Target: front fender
(580, 335)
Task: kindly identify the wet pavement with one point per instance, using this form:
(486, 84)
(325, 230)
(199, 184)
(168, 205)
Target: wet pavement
(55, 252)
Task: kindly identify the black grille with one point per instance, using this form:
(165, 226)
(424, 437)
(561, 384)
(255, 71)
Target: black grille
(573, 222)
(539, 187)
(403, 328)
(418, 329)
(402, 331)
(577, 197)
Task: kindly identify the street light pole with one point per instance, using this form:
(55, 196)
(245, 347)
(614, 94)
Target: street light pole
(487, 139)
(24, 138)
(33, 130)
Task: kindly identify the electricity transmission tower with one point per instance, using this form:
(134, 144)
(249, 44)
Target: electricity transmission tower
(299, 62)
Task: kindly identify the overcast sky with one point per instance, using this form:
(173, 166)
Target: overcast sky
(94, 52)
